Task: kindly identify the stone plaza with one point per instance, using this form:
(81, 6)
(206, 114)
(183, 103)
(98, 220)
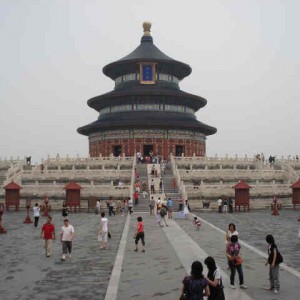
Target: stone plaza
(120, 273)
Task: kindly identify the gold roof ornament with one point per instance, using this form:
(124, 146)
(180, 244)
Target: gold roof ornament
(147, 27)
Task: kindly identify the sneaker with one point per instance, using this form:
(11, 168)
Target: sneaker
(243, 286)
(143, 250)
(275, 291)
(232, 286)
(135, 250)
(48, 254)
(63, 257)
(269, 289)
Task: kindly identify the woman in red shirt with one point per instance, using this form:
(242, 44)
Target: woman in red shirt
(139, 234)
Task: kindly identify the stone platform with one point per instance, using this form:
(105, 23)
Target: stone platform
(120, 273)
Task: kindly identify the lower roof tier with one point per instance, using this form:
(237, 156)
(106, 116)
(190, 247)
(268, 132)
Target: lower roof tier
(144, 119)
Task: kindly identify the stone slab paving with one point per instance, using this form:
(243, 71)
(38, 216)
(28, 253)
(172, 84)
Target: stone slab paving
(212, 241)
(25, 272)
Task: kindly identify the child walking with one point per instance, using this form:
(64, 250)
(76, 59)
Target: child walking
(197, 223)
(139, 234)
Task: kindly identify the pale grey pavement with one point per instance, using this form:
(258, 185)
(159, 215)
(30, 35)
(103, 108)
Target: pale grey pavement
(120, 273)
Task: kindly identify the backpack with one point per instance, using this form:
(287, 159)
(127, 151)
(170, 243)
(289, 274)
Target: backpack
(163, 212)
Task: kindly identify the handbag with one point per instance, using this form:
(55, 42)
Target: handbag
(238, 260)
(109, 235)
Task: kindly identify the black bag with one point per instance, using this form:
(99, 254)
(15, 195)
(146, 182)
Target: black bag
(279, 258)
(109, 235)
(163, 212)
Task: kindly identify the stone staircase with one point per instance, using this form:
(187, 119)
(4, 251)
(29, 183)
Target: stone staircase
(143, 205)
(169, 189)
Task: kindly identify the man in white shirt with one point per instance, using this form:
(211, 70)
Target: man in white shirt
(66, 237)
(220, 205)
(36, 214)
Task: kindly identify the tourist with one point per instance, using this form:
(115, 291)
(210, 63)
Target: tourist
(111, 207)
(48, 234)
(151, 206)
(170, 208)
(174, 184)
(158, 207)
(230, 205)
(144, 194)
(136, 197)
(180, 204)
(97, 207)
(103, 232)
(163, 213)
(186, 210)
(66, 237)
(130, 206)
(230, 232)
(214, 280)
(274, 259)
(225, 205)
(161, 184)
(139, 234)
(195, 286)
(65, 210)
(235, 261)
(197, 223)
(220, 205)
(36, 214)
(152, 189)
(152, 170)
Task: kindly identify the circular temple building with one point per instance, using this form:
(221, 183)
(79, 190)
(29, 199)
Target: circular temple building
(147, 112)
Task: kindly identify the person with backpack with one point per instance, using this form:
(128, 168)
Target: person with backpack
(214, 280)
(163, 213)
(274, 259)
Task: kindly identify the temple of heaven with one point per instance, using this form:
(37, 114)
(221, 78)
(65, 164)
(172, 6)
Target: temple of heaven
(147, 112)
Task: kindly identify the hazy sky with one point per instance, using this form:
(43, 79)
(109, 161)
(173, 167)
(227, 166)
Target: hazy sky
(244, 55)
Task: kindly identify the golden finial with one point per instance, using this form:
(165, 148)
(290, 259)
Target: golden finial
(147, 27)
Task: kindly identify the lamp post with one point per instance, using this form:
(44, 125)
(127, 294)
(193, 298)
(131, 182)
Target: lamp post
(27, 219)
(2, 229)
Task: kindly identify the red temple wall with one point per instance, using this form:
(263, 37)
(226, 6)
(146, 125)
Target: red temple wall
(162, 147)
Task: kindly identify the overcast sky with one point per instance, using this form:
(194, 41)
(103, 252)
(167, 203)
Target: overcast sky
(244, 55)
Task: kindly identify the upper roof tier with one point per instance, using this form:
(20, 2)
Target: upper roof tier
(147, 52)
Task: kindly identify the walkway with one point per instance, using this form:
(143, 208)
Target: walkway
(120, 273)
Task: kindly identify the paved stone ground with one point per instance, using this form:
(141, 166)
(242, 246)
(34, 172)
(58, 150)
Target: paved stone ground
(254, 226)
(25, 272)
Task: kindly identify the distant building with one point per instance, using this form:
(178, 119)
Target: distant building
(147, 112)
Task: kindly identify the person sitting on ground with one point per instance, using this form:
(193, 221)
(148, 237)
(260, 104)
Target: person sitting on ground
(197, 223)
(214, 280)
(195, 286)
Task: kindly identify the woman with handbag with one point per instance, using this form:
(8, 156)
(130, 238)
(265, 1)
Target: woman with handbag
(214, 280)
(235, 261)
(195, 286)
